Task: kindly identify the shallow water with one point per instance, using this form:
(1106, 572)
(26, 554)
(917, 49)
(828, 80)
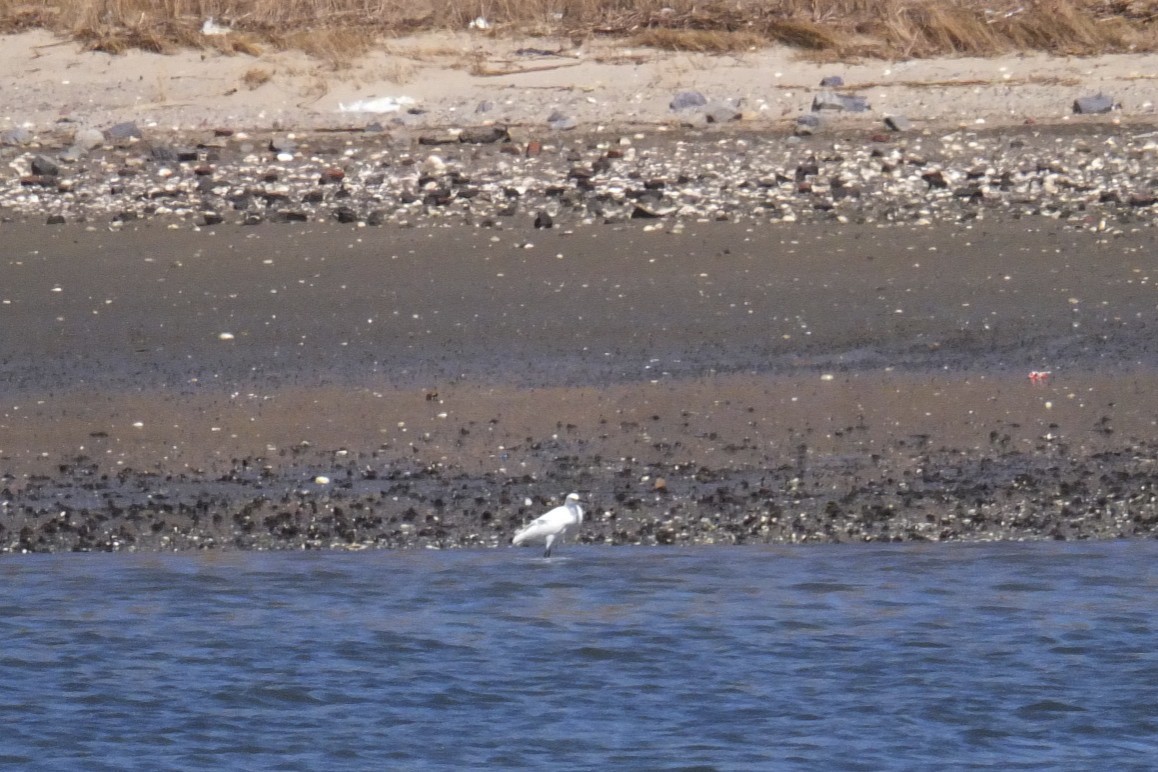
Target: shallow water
(1025, 656)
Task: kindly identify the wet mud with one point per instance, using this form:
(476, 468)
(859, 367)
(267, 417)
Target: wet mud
(328, 386)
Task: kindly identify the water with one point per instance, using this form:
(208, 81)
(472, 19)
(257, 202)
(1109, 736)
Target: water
(1030, 656)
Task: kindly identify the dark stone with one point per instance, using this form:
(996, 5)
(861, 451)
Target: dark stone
(211, 218)
(162, 154)
(376, 218)
(313, 197)
(44, 167)
(484, 136)
(544, 220)
(441, 139)
(56, 219)
(288, 215)
(187, 155)
(935, 179)
(808, 119)
(345, 214)
(485, 106)
(687, 99)
(1090, 105)
(831, 81)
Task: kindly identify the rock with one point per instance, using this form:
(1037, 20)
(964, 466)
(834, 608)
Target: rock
(163, 154)
(721, 112)
(87, 139)
(43, 167)
(374, 127)
(687, 99)
(1090, 105)
(211, 218)
(123, 130)
(831, 81)
(483, 136)
(544, 220)
(437, 139)
(55, 219)
(16, 136)
(485, 106)
(561, 122)
(345, 214)
(898, 123)
(72, 154)
(828, 100)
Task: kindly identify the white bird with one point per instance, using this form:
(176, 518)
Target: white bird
(553, 525)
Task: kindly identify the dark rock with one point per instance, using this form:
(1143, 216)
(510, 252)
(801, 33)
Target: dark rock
(809, 119)
(187, 155)
(1090, 105)
(211, 218)
(935, 179)
(485, 106)
(437, 139)
(313, 197)
(345, 214)
(544, 220)
(56, 219)
(123, 130)
(484, 136)
(831, 81)
(376, 218)
(687, 99)
(374, 127)
(288, 215)
(44, 167)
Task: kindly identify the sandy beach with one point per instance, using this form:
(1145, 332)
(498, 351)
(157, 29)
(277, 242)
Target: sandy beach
(716, 371)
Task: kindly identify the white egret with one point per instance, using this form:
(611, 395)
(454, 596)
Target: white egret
(552, 526)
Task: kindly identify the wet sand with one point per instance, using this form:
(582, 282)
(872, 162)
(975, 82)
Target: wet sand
(321, 386)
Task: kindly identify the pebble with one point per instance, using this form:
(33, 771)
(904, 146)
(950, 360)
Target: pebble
(485, 173)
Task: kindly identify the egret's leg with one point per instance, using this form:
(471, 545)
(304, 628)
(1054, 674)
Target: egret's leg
(550, 542)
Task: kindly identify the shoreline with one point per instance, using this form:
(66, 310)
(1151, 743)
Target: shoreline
(314, 335)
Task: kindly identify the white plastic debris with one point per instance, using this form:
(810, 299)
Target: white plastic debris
(211, 27)
(377, 105)
(480, 23)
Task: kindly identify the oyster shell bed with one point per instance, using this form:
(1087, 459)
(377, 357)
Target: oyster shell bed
(1097, 176)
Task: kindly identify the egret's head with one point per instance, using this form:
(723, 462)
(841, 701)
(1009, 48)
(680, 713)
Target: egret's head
(573, 497)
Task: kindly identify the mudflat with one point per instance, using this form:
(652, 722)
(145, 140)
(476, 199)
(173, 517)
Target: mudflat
(326, 385)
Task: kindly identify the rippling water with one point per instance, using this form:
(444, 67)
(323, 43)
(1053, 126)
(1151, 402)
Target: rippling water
(861, 657)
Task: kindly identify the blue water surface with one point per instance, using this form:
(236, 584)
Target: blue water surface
(1014, 656)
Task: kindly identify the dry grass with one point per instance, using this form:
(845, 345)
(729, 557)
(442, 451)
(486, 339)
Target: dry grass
(256, 77)
(338, 30)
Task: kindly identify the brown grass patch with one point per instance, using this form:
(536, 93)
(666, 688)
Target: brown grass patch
(699, 41)
(256, 77)
(339, 30)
